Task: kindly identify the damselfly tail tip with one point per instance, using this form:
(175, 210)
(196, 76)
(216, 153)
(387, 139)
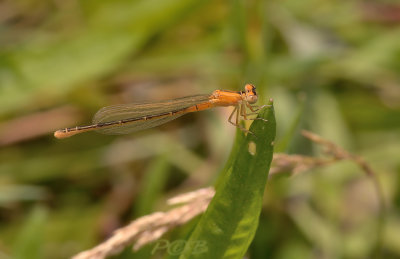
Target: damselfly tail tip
(64, 134)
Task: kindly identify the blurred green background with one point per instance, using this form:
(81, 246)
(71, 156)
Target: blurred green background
(331, 67)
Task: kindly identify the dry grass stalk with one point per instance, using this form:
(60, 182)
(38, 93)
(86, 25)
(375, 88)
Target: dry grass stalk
(340, 154)
(151, 227)
(295, 164)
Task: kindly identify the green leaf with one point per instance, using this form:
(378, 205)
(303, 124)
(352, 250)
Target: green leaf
(230, 222)
(30, 240)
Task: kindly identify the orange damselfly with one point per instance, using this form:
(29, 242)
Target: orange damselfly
(127, 118)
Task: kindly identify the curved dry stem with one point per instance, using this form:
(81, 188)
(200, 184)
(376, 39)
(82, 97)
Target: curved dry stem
(340, 154)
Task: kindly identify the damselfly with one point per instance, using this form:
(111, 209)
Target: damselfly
(127, 118)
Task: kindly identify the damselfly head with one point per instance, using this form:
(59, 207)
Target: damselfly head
(251, 94)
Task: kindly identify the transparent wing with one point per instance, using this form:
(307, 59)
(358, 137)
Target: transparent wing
(139, 110)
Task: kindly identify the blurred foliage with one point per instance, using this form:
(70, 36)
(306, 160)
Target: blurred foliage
(331, 66)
